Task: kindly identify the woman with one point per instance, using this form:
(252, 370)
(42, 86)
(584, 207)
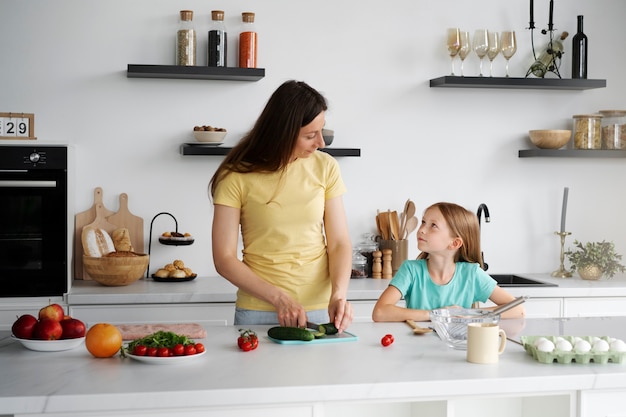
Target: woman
(447, 273)
(287, 198)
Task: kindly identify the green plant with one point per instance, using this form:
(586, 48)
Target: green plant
(601, 254)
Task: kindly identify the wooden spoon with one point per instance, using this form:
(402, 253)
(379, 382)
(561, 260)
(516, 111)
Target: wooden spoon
(409, 211)
(395, 225)
(411, 225)
(383, 221)
(417, 329)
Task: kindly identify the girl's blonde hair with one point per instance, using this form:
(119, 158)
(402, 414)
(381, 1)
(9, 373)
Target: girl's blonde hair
(464, 224)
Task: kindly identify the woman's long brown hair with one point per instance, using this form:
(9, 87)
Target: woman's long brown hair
(269, 145)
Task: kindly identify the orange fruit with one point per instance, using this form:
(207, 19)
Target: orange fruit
(103, 340)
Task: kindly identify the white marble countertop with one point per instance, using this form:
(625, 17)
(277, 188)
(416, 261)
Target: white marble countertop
(218, 290)
(413, 368)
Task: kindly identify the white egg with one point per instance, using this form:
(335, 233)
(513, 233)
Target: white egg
(601, 346)
(545, 346)
(595, 339)
(538, 341)
(618, 346)
(576, 339)
(582, 346)
(563, 345)
(558, 339)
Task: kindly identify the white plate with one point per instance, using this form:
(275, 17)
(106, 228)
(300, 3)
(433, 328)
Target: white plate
(50, 345)
(170, 360)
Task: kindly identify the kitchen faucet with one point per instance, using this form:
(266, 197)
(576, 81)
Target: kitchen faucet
(482, 209)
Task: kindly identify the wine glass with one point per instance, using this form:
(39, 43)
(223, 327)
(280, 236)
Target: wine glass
(494, 49)
(465, 48)
(454, 44)
(481, 45)
(509, 47)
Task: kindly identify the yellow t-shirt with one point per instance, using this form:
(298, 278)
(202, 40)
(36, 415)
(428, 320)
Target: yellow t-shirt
(282, 227)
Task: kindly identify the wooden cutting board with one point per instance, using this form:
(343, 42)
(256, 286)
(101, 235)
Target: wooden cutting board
(81, 220)
(134, 224)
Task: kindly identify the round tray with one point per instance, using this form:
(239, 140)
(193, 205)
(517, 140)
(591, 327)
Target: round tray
(189, 278)
(175, 242)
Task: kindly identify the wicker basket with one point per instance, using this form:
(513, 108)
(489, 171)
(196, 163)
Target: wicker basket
(117, 270)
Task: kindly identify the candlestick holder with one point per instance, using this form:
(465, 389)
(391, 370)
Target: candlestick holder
(561, 272)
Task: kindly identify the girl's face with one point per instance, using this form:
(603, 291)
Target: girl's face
(434, 235)
(310, 138)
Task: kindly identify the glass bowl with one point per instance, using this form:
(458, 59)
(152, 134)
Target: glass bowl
(451, 323)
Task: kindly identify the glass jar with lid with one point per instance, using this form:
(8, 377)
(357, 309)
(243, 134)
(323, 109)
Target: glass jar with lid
(359, 265)
(366, 247)
(613, 129)
(587, 131)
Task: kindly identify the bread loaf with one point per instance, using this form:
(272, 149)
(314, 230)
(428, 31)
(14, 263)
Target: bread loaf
(96, 242)
(121, 240)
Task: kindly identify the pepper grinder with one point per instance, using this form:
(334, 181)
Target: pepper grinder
(377, 267)
(387, 270)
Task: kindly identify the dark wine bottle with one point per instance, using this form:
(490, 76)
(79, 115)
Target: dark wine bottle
(579, 52)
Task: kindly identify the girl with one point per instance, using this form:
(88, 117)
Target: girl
(447, 273)
(286, 197)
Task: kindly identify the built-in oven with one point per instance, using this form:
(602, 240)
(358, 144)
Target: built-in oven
(33, 221)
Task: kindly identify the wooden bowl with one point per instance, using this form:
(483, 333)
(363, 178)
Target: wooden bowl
(209, 136)
(115, 271)
(549, 139)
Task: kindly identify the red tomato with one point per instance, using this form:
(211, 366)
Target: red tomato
(199, 347)
(247, 340)
(190, 350)
(163, 352)
(387, 340)
(140, 350)
(178, 349)
(151, 351)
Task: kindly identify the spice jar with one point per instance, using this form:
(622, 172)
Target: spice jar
(186, 40)
(218, 40)
(247, 42)
(366, 248)
(587, 131)
(359, 264)
(613, 129)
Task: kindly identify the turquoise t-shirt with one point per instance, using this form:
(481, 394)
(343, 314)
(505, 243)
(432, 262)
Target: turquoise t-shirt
(469, 284)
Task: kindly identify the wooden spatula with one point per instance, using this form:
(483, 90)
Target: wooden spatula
(417, 329)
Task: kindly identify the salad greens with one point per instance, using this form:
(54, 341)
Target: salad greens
(160, 339)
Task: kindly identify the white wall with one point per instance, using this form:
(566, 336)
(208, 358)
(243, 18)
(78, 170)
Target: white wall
(66, 62)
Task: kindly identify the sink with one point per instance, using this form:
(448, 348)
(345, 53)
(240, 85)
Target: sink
(511, 280)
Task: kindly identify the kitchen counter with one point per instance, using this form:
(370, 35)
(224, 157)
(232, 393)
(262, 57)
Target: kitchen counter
(218, 290)
(309, 380)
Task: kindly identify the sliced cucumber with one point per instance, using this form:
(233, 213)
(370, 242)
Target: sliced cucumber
(328, 329)
(290, 333)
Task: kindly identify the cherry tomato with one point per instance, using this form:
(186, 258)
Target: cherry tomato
(140, 350)
(190, 350)
(387, 340)
(178, 349)
(199, 347)
(151, 351)
(163, 352)
(247, 340)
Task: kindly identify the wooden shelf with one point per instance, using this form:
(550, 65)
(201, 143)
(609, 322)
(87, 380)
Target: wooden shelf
(193, 149)
(450, 81)
(572, 153)
(195, 73)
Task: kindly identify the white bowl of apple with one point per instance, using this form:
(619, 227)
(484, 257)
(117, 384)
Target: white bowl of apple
(52, 331)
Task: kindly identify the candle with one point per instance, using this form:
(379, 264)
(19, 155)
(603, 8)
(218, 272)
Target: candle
(564, 209)
(551, 13)
(532, 13)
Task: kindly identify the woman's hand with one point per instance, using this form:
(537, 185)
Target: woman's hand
(290, 313)
(340, 313)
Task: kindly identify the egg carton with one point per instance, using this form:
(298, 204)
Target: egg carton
(571, 356)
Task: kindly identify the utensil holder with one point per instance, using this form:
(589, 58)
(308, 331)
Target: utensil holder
(399, 252)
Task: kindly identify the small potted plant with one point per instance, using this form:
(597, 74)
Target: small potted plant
(594, 259)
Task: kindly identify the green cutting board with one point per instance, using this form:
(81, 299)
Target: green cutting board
(339, 337)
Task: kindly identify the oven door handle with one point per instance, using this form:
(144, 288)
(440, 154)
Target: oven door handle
(27, 184)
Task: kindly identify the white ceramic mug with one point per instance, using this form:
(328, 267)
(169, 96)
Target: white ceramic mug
(485, 342)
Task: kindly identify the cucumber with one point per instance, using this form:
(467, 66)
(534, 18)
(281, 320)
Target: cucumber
(290, 333)
(328, 329)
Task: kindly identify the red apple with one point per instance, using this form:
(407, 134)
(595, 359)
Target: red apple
(52, 311)
(47, 329)
(23, 326)
(72, 328)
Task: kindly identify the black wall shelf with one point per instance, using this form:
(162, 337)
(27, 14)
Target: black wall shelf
(450, 81)
(199, 150)
(195, 72)
(572, 153)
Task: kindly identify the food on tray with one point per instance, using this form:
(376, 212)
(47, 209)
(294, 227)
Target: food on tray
(176, 269)
(176, 236)
(575, 349)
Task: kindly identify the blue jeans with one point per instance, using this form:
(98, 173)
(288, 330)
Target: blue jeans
(245, 317)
